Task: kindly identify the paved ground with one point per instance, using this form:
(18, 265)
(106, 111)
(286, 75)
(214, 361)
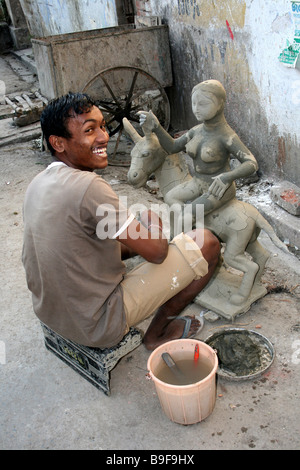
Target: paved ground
(46, 405)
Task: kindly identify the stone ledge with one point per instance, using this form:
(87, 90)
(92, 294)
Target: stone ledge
(287, 196)
(286, 225)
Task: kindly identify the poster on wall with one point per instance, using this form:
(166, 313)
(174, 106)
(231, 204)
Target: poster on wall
(290, 55)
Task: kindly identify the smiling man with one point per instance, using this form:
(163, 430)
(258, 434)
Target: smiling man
(78, 281)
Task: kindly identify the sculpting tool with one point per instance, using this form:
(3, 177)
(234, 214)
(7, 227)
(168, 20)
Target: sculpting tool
(196, 353)
(171, 364)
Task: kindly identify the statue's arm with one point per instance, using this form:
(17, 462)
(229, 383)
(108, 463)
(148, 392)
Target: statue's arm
(248, 166)
(149, 121)
(239, 151)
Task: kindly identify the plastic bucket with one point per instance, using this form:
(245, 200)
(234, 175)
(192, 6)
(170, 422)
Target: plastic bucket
(185, 404)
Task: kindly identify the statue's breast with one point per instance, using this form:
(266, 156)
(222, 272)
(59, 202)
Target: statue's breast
(207, 150)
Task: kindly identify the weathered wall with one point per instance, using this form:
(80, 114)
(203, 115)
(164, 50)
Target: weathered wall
(46, 18)
(18, 26)
(238, 42)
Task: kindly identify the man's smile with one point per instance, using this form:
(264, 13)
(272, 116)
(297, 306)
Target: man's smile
(100, 151)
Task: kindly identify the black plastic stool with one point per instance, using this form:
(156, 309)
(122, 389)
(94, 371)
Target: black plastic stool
(94, 364)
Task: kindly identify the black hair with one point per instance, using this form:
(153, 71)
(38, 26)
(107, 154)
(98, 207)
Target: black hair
(57, 112)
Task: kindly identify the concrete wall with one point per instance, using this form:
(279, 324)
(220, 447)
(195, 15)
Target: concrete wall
(238, 42)
(46, 18)
(18, 26)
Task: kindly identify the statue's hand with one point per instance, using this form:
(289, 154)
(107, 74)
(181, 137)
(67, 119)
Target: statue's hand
(218, 187)
(148, 120)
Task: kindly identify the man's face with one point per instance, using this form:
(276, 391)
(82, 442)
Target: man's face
(86, 149)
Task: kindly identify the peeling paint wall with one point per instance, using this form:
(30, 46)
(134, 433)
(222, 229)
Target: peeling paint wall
(51, 17)
(238, 42)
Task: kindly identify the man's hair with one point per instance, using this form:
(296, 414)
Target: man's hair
(57, 112)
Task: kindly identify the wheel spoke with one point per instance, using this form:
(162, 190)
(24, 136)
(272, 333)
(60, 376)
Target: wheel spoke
(112, 119)
(117, 143)
(110, 91)
(116, 129)
(106, 106)
(134, 118)
(131, 89)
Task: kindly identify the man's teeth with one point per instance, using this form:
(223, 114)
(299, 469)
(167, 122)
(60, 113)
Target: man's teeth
(99, 151)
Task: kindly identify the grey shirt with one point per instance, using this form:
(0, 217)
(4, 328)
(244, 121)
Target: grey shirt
(74, 275)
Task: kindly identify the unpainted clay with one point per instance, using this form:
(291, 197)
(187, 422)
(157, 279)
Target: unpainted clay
(211, 144)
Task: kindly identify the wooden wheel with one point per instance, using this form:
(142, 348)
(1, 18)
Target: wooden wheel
(122, 92)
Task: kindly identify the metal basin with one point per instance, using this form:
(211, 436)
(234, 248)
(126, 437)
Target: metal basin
(243, 354)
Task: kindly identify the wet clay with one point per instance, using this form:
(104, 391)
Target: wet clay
(240, 354)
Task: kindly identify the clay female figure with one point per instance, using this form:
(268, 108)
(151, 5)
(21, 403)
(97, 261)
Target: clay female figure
(210, 144)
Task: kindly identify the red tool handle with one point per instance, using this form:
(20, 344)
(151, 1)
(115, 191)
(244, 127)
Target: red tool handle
(196, 353)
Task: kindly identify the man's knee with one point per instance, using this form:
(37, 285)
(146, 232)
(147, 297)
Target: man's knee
(208, 243)
(211, 247)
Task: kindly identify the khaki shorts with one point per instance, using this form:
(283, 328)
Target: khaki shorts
(148, 286)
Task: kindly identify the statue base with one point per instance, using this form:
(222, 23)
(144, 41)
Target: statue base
(216, 295)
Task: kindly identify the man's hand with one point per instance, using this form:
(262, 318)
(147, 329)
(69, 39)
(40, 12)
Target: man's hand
(150, 219)
(145, 237)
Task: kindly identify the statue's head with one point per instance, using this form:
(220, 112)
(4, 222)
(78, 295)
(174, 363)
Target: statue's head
(208, 99)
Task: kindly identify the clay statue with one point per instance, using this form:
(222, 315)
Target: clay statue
(210, 144)
(237, 223)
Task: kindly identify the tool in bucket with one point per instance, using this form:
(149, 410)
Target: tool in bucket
(172, 365)
(196, 353)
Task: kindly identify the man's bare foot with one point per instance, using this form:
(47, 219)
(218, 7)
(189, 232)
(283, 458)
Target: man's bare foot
(180, 327)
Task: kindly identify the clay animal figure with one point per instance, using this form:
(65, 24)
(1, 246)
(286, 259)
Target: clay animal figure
(148, 157)
(236, 223)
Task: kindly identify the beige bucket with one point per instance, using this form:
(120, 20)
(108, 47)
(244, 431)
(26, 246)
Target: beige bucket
(185, 404)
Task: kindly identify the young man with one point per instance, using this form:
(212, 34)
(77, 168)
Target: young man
(74, 268)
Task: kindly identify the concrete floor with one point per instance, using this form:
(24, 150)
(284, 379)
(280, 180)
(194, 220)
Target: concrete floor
(46, 405)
